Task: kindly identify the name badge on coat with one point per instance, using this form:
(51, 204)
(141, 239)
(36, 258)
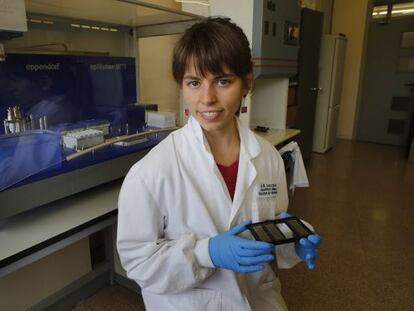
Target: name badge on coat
(267, 191)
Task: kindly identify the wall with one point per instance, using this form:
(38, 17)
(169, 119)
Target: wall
(156, 82)
(350, 17)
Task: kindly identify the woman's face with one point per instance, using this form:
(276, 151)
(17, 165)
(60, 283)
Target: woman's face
(213, 100)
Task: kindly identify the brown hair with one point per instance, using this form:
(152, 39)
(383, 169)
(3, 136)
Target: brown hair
(215, 44)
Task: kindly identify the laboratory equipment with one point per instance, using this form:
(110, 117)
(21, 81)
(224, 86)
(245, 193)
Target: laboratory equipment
(79, 140)
(70, 123)
(160, 119)
(280, 231)
(16, 121)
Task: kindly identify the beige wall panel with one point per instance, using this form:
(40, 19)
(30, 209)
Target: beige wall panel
(349, 17)
(156, 82)
(33, 283)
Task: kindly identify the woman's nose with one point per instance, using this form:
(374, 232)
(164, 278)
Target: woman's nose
(208, 95)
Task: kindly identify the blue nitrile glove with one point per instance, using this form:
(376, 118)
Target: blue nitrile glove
(228, 251)
(306, 248)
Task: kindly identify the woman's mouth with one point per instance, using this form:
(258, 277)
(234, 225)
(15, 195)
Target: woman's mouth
(210, 115)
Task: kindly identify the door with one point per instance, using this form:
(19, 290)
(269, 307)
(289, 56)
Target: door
(307, 91)
(387, 96)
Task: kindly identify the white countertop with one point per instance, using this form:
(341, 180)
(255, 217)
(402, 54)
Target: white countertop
(276, 137)
(41, 224)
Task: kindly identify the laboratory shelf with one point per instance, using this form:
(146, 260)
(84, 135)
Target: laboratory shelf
(131, 13)
(39, 232)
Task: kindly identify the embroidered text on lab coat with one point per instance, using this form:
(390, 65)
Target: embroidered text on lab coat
(267, 190)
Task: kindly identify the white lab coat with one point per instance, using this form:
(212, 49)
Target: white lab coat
(174, 199)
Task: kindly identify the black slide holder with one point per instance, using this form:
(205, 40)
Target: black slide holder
(269, 231)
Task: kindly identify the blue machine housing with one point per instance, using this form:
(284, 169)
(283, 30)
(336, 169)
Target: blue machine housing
(70, 92)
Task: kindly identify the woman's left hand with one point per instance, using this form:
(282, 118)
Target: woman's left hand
(306, 248)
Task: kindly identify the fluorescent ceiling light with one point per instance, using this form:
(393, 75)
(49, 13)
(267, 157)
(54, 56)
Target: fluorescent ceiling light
(405, 11)
(397, 9)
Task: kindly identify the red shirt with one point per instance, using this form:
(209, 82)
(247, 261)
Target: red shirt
(229, 174)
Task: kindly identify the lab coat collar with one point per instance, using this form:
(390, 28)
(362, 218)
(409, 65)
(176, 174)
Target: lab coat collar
(248, 142)
(249, 149)
(198, 132)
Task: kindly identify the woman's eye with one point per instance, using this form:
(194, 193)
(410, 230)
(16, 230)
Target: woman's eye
(223, 82)
(193, 83)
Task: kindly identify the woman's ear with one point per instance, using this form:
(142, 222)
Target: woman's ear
(249, 84)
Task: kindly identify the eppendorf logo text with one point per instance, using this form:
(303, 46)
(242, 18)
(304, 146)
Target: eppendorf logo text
(42, 67)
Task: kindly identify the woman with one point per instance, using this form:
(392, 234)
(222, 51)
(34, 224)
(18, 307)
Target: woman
(183, 209)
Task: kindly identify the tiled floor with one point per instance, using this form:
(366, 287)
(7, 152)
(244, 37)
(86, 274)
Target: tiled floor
(361, 201)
